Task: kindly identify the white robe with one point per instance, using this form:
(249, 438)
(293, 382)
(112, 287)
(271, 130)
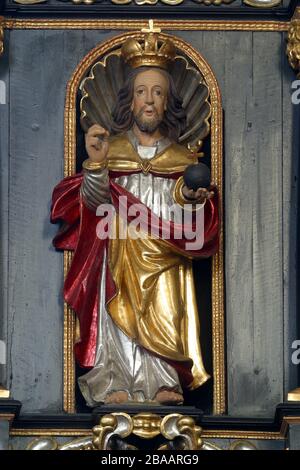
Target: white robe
(121, 364)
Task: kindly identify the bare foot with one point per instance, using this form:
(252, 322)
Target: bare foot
(116, 397)
(168, 396)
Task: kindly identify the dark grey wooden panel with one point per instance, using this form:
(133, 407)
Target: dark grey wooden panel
(4, 170)
(254, 225)
(290, 154)
(35, 270)
(239, 188)
(211, 45)
(268, 223)
(4, 435)
(294, 437)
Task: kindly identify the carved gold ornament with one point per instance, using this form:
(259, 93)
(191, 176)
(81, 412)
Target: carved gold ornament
(127, 25)
(176, 431)
(293, 46)
(148, 52)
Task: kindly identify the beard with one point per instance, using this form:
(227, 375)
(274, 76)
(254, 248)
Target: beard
(147, 125)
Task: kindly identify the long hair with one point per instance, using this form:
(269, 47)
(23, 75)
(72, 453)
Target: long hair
(174, 120)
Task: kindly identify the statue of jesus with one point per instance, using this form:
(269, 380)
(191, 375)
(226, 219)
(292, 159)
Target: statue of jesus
(134, 296)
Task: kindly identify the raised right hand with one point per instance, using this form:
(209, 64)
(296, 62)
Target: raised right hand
(96, 143)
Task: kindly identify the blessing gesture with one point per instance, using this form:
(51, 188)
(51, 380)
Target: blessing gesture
(96, 143)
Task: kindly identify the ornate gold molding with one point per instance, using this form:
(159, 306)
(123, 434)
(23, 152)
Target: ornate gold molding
(293, 46)
(175, 25)
(177, 430)
(213, 434)
(69, 340)
(255, 435)
(18, 432)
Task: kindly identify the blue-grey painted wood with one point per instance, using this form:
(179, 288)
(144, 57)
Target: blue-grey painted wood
(290, 160)
(267, 221)
(4, 191)
(239, 188)
(35, 270)
(294, 437)
(4, 435)
(253, 188)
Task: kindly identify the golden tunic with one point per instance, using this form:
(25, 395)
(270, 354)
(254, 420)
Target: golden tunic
(155, 302)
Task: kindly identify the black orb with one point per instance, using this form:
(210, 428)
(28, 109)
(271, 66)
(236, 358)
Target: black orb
(197, 176)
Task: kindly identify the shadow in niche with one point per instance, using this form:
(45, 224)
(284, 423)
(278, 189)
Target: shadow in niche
(81, 406)
(203, 396)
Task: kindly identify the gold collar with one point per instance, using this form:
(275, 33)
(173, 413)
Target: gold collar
(123, 157)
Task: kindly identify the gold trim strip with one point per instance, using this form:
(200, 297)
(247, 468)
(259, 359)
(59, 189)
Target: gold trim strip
(68, 341)
(259, 435)
(214, 434)
(50, 432)
(175, 25)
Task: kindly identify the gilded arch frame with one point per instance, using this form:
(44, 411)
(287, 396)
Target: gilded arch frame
(218, 320)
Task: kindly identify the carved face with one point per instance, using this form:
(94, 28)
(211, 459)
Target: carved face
(149, 99)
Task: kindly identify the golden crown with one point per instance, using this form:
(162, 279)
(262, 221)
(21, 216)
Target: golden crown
(150, 54)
